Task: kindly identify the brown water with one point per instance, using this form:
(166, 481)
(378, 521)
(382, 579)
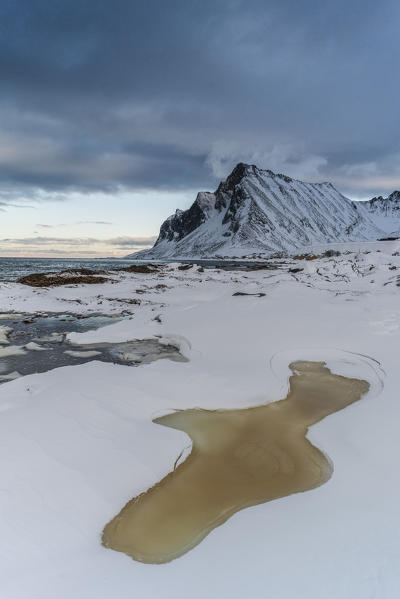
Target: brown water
(239, 458)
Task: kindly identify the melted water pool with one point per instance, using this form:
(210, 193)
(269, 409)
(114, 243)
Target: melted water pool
(39, 343)
(239, 458)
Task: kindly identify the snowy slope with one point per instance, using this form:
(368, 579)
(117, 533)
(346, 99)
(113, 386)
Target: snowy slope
(257, 210)
(385, 212)
(79, 442)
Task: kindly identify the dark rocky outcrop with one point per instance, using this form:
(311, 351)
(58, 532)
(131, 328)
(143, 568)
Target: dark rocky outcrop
(82, 276)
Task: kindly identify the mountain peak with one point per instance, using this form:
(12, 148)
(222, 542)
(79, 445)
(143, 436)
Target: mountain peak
(257, 210)
(243, 169)
(235, 177)
(380, 200)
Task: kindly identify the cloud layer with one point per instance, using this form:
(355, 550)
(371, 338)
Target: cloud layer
(73, 246)
(100, 96)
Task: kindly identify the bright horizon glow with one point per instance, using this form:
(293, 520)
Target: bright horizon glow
(92, 225)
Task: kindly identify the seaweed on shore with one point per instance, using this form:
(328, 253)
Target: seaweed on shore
(67, 277)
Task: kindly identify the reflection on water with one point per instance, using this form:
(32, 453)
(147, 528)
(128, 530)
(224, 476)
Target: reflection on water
(239, 458)
(31, 344)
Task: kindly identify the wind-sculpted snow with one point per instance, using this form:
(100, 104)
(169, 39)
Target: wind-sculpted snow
(257, 210)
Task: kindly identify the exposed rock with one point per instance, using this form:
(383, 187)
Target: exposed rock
(306, 257)
(141, 268)
(81, 276)
(240, 293)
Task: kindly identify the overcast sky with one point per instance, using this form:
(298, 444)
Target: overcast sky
(113, 114)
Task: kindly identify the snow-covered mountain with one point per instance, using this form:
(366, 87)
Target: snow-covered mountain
(256, 210)
(386, 213)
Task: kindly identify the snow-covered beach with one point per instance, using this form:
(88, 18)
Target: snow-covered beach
(79, 441)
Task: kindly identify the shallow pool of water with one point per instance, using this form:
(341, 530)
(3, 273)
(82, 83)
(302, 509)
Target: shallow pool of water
(39, 343)
(239, 458)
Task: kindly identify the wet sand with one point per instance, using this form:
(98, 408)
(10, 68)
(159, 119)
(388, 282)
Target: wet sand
(239, 458)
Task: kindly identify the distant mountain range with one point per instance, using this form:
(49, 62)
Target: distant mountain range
(258, 211)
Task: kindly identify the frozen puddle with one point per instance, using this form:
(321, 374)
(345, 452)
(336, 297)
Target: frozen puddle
(239, 458)
(30, 344)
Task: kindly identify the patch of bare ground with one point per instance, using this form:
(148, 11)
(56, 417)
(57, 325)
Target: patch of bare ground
(141, 268)
(81, 276)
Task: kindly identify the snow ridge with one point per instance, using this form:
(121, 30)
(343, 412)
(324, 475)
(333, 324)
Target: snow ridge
(256, 210)
(386, 213)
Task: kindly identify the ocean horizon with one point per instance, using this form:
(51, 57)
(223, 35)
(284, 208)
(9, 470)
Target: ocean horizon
(13, 268)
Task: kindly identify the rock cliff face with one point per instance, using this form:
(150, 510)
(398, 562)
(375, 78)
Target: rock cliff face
(256, 210)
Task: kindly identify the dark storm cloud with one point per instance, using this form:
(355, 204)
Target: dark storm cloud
(99, 95)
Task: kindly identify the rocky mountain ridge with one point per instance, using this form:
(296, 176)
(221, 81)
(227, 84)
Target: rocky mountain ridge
(256, 210)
